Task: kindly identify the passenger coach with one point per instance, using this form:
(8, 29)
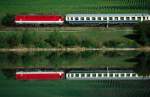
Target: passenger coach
(106, 18)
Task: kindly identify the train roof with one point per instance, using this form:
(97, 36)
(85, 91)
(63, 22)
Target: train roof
(37, 18)
(99, 15)
(102, 71)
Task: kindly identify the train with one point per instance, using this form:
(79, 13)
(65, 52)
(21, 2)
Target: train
(99, 74)
(82, 19)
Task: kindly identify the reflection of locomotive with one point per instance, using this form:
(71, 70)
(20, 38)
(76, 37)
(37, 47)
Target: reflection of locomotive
(38, 74)
(82, 19)
(103, 74)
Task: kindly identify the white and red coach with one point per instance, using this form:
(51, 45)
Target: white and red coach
(39, 19)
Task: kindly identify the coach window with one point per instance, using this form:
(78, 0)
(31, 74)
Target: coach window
(71, 18)
(77, 75)
(87, 18)
(134, 75)
(116, 18)
(99, 18)
(139, 18)
(94, 75)
(111, 75)
(147, 18)
(122, 75)
(116, 75)
(88, 75)
(104, 18)
(82, 18)
(76, 18)
(99, 75)
(121, 18)
(110, 18)
(133, 18)
(82, 75)
(105, 74)
(144, 18)
(127, 18)
(128, 75)
(93, 18)
(71, 75)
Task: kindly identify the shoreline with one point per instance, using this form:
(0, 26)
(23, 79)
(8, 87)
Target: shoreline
(75, 49)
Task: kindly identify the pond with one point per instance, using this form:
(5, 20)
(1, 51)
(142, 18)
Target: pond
(137, 61)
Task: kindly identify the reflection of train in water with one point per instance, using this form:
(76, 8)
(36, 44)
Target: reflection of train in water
(38, 74)
(75, 19)
(103, 74)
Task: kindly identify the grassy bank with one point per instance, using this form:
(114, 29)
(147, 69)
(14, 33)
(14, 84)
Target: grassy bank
(90, 38)
(74, 6)
(63, 7)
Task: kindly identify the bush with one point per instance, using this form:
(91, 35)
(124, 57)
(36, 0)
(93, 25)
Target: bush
(142, 33)
(3, 40)
(28, 38)
(70, 41)
(55, 39)
(39, 41)
(111, 43)
(8, 20)
(14, 39)
(85, 42)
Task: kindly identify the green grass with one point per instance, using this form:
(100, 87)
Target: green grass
(74, 6)
(68, 88)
